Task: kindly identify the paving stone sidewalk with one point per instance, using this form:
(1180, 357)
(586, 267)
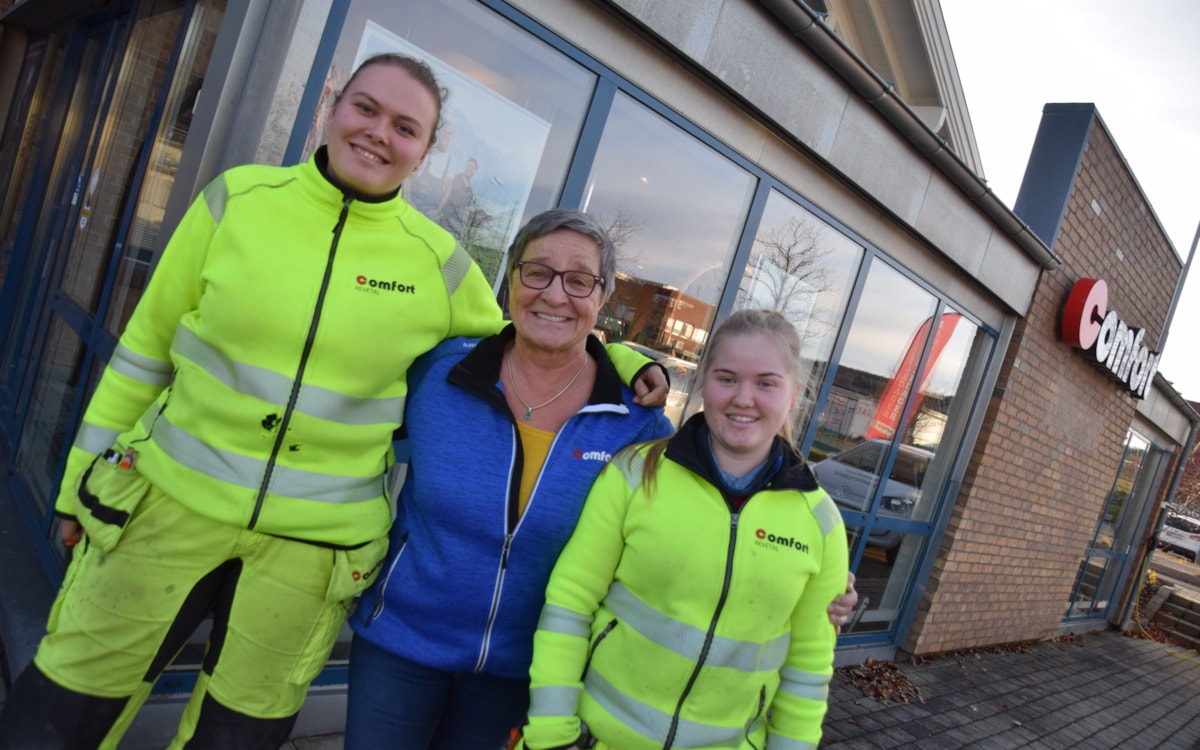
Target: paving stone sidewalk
(1097, 691)
(1101, 691)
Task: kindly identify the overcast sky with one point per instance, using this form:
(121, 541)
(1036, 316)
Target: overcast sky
(1139, 64)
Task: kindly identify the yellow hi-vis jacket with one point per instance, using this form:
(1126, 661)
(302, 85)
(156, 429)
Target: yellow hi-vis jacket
(262, 374)
(672, 621)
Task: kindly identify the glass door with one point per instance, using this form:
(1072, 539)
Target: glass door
(127, 119)
(1106, 564)
(89, 60)
(59, 115)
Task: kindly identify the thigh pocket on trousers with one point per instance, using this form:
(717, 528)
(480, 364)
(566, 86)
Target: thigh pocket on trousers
(355, 569)
(78, 561)
(109, 492)
(352, 572)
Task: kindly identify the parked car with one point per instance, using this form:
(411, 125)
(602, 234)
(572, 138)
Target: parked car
(1181, 534)
(851, 476)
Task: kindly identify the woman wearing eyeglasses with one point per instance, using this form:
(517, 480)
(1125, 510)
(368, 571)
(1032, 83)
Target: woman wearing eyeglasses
(507, 434)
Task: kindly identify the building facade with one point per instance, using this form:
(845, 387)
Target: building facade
(997, 484)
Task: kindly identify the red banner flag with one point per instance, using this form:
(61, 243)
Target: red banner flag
(891, 403)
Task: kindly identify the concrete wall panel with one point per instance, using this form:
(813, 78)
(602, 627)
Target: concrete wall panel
(1011, 277)
(881, 162)
(946, 222)
(766, 66)
(688, 24)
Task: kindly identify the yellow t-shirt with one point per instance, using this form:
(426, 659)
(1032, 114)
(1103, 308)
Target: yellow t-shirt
(537, 446)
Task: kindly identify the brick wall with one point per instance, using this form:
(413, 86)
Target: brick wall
(1054, 430)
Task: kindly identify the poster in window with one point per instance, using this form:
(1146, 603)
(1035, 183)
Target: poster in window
(477, 178)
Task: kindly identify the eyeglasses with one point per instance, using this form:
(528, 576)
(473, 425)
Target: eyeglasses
(575, 283)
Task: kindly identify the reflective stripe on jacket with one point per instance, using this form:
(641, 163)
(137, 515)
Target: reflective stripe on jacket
(262, 374)
(466, 576)
(690, 624)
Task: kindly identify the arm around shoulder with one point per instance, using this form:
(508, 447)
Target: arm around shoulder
(648, 379)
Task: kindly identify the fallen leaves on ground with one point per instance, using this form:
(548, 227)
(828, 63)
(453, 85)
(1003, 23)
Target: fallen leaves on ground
(1016, 647)
(1150, 632)
(883, 681)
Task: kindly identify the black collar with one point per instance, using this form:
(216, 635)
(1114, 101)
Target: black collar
(690, 448)
(479, 371)
(322, 159)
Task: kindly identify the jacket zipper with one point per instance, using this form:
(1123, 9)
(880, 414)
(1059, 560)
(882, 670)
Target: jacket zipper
(487, 630)
(513, 521)
(308, 345)
(377, 609)
(596, 644)
(762, 704)
(708, 637)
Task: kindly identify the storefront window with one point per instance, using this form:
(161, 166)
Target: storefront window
(1136, 448)
(805, 269)
(21, 327)
(25, 134)
(46, 436)
(878, 364)
(166, 147)
(675, 210)
(510, 123)
(102, 196)
(884, 452)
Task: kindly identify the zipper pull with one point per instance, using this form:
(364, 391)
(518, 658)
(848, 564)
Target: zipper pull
(508, 538)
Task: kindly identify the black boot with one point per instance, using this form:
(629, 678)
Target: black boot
(42, 715)
(221, 728)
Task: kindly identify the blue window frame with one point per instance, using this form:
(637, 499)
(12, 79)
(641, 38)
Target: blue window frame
(611, 88)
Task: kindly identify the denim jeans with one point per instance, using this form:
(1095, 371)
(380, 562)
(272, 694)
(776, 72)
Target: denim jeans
(394, 702)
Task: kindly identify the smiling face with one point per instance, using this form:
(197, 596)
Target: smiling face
(380, 129)
(549, 319)
(749, 390)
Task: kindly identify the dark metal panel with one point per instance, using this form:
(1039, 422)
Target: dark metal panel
(1057, 152)
(58, 16)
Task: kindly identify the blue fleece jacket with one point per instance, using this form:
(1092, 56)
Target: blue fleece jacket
(465, 580)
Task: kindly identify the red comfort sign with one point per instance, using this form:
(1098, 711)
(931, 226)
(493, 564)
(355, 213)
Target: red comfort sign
(1088, 324)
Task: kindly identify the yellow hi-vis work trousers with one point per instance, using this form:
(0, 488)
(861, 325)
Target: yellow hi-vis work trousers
(127, 605)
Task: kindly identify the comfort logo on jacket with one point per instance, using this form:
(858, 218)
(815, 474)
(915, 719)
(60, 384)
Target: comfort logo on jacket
(583, 455)
(766, 539)
(375, 286)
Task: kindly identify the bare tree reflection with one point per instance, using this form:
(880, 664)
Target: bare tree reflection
(621, 227)
(787, 273)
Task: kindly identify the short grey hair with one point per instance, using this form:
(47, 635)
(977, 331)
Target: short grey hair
(576, 221)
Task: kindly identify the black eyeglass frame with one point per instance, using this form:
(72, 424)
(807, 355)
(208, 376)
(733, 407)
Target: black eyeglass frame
(521, 264)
